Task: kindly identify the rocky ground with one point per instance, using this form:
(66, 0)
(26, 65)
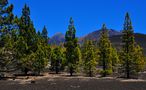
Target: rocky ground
(55, 82)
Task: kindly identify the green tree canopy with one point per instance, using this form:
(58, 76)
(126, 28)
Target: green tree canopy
(89, 59)
(129, 58)
(105, 52)
(45, 34)
(71, 45)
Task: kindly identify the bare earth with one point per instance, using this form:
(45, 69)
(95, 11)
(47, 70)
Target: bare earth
(54, 82)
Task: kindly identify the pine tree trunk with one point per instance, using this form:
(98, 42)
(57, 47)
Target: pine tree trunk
(57, 70)
(90, 72)
(127, 70)
(25, 71)
(71, 71)
(39, 72)
(104, 68)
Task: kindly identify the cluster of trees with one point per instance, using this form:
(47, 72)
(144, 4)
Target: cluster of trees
(101, 56)
(128, 62)
(22, 48)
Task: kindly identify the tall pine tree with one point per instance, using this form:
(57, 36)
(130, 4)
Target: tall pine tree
(128, 46)
(8, 36)
(28, 35)
(71, 45)
(105, 52)
(129, 58)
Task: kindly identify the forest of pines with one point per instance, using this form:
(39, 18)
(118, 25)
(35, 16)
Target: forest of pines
(25, 50)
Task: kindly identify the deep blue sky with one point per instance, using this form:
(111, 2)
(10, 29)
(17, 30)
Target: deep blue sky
(89, 15)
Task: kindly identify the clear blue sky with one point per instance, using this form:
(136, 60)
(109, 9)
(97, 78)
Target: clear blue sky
(89, 15)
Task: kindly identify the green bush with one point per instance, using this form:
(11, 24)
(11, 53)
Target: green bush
(106, 72)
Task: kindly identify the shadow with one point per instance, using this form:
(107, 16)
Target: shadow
(69, 75)
(55, 73)
(6, 78)
(28, 75)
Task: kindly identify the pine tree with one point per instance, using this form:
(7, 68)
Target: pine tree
(6, 17)
(78, 59)
(21, 54)
(7, 55)
(128, 45)
(41, 59)
(6, 20)
(45, 34)
(105, 52)
(64, 60)
(71, 44)
(39, 33)
(139, 60)
(89, 59)
(28, 34)
(130, 54)
(42, 55)
(56, 59)
(27, 29)
(8, 36)
(115, 59)
(25, 21)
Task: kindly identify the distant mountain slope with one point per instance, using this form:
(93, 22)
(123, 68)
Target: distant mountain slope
(96, 35)
(57, 39)
(114, 35)
(139, 38)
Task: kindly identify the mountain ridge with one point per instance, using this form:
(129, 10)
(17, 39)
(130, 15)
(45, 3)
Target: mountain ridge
(60, 37)
(114, 36)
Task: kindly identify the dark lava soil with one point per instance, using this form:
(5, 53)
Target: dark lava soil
(73, 84)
